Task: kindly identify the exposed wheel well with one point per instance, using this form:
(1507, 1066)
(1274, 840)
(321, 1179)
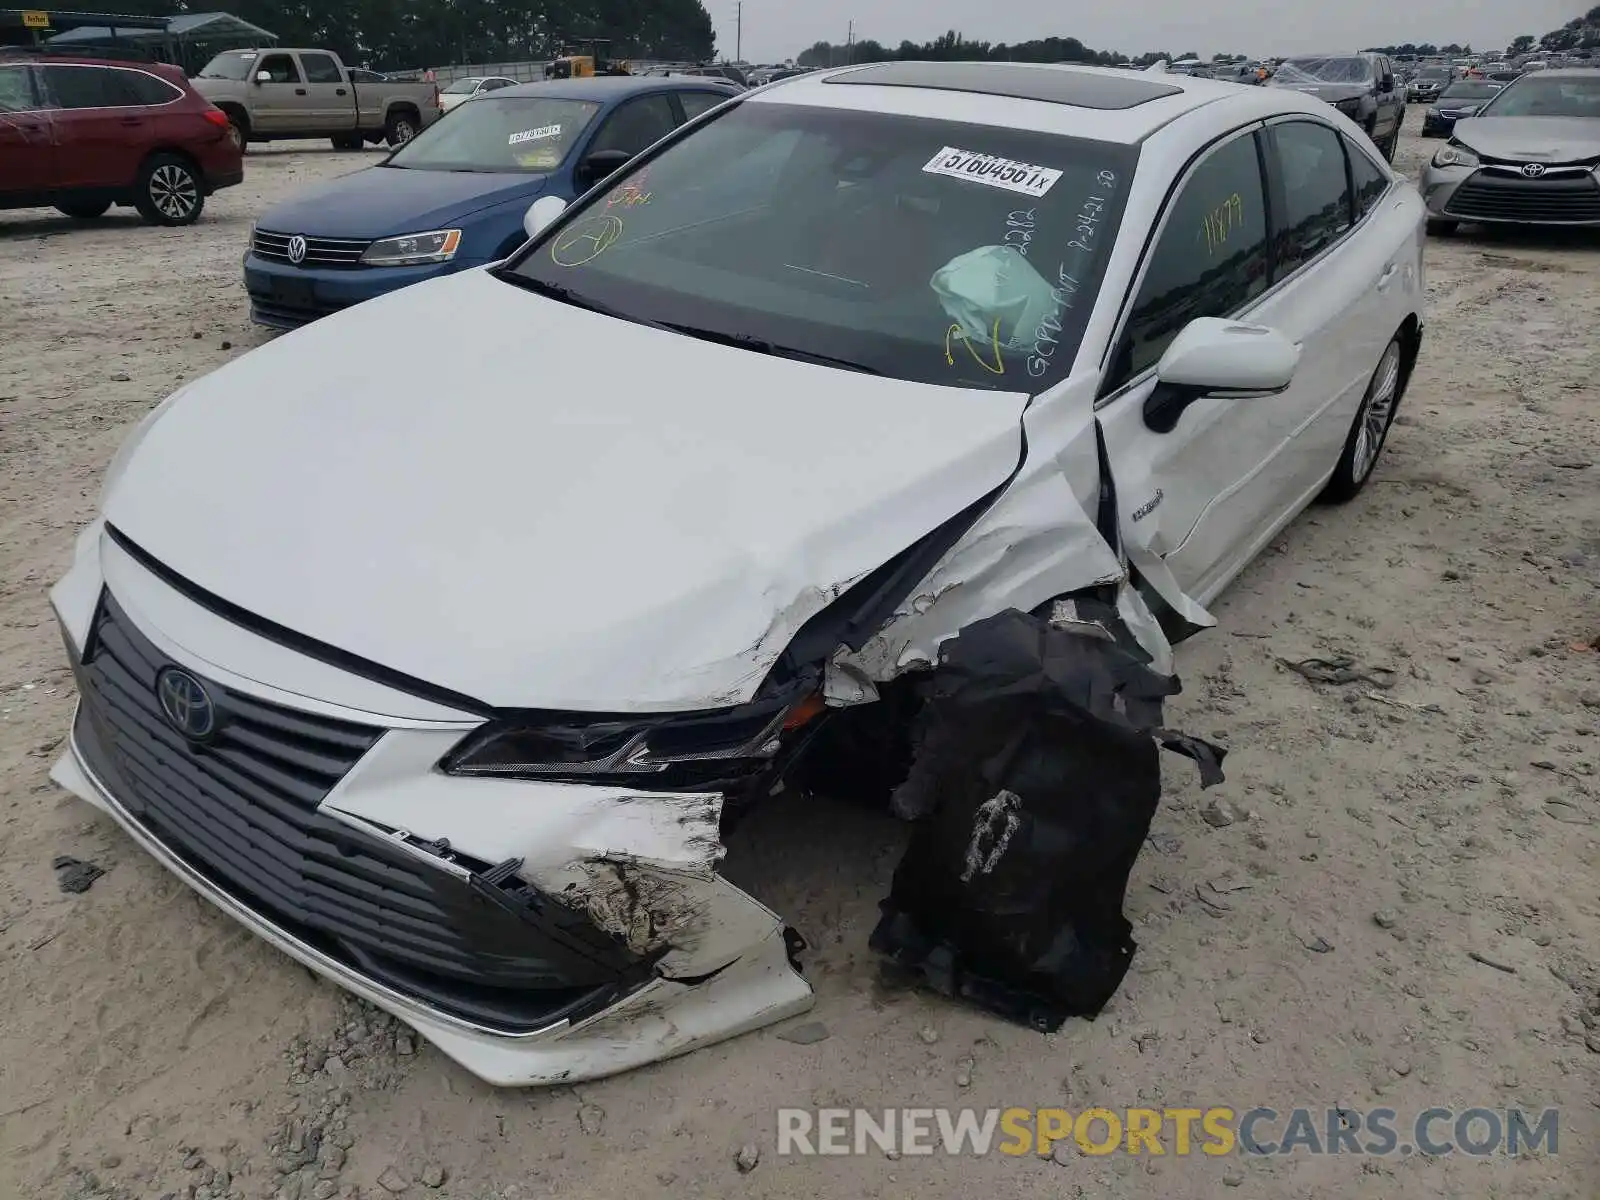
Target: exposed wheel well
(403, 109)
(1410, 334)
(236, 114)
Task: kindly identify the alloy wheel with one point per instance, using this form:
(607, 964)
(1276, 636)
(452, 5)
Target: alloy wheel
(1376, 413)
(173, 191)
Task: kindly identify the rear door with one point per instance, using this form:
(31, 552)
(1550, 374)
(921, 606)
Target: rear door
(329, 99)
(27, 149)
(100, 134)
(281, 104)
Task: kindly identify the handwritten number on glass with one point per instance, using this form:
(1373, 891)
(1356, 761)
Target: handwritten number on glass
(1215, 225)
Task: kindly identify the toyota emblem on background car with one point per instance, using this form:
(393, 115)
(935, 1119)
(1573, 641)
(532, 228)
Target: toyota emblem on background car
(297, 249)
(186, 704)
(1533, 170)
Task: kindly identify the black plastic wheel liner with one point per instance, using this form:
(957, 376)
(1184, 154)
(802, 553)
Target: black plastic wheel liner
(1037, 765)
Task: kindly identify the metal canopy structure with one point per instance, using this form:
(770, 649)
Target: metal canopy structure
(188, 39)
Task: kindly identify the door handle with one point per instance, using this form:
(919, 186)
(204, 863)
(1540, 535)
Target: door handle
(299, 91)
(342, 92)
(1387, 277)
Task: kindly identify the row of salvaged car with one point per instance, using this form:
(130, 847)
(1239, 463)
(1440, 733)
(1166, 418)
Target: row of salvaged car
(882, 429)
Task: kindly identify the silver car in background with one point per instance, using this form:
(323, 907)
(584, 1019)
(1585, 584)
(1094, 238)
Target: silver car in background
(1531, 156)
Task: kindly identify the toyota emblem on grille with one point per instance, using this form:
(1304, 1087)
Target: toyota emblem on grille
(186, 704)
(297, 249)
(1533, 170)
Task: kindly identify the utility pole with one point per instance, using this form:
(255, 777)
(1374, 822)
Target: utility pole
(850, 44)
(738, 31)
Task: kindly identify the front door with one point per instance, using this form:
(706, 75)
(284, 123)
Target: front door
(1190, 483)
(27, 149)
(280, 103)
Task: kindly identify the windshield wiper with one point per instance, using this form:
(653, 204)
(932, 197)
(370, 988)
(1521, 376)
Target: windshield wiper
(748, 341)
(566, 295)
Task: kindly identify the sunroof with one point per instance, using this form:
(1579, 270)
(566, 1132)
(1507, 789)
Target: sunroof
(1082, 89)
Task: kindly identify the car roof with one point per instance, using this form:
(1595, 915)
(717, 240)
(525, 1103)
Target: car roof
(1107, 104)
(1568, 73)
(602, 88)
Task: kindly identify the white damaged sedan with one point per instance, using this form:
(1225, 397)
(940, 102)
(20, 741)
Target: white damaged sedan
(446, 676)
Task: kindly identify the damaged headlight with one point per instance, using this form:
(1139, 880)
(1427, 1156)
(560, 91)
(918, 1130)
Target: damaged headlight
(673, 752)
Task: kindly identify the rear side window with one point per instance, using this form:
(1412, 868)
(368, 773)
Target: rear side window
(84, 87)
(637, 124)
(16, 90)
(321, 68)
(1211, 258)
(1368, 181)
(280, 66)
(142, 88)
(1316, 196)
(695, 103)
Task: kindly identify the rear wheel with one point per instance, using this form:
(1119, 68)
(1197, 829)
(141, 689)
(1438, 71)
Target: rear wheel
(1371, 427)
(400, 129)
(85, 211)
(1440, 227)
(169, 191)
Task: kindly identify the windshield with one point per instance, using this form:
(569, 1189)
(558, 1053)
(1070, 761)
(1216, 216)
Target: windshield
(499, 133)
(1325, 70)
(233, 65)
(1547, 97)
(461, 85)
(1468, 91)
(921, 249)
(1434, 74)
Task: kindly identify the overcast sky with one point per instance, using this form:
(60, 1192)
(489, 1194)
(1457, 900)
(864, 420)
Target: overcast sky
(779, 29)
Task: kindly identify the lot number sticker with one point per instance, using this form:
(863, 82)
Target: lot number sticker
(534, 135)
(1021, 177)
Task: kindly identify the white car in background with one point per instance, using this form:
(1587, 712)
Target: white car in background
(446, 679)
(459, 91)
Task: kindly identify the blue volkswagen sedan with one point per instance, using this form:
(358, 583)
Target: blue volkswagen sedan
(454, 197)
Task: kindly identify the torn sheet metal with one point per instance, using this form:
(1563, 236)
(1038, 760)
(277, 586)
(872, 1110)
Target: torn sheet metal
(1036, 542)
(1035, 779)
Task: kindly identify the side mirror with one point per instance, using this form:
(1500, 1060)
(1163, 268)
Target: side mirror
(1212, 355)
(540, 213)
(263, 76)
(601, 164)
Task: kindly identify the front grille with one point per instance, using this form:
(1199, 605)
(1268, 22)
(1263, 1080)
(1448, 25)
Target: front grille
(269, 310)
(243, 810)
(320, 252)
(1487, 197)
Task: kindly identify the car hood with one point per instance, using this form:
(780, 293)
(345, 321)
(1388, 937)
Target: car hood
(382, 201)
(538, 506)
(1532, 139)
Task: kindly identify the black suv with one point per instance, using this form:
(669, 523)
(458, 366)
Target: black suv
(1362, 86)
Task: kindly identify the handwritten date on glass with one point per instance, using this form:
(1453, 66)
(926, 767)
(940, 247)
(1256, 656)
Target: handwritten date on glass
(1216, 224)
(956, 333)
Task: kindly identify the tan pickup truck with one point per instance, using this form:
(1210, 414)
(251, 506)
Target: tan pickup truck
(273, 94)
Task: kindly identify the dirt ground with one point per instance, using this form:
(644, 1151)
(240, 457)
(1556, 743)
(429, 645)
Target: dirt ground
(1316, 950)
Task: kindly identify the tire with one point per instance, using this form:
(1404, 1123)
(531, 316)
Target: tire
(169, 191)
(1370, 429)
(400, 129)
(349, 141)
(1442, 227)
(241, 126)
(86, 211)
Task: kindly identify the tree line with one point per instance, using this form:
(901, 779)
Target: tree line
(1580, 33)
(954, 47)
(396, 34)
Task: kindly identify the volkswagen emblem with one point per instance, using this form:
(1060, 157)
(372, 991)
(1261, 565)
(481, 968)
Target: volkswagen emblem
(186, 704)
(1533, 170)
(297, 249)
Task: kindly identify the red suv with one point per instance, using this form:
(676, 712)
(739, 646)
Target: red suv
(83, 134)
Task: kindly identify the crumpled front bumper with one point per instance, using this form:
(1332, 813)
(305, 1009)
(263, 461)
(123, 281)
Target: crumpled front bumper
(705, 960)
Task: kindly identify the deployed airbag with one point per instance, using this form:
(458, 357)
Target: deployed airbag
(1034, 780)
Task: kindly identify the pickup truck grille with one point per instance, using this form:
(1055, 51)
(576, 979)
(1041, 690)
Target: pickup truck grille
(320, 252)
